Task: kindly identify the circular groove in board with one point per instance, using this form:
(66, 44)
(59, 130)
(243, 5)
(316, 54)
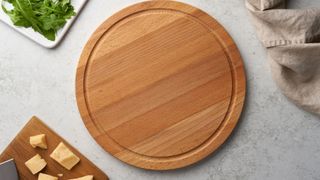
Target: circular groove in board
(160, 85)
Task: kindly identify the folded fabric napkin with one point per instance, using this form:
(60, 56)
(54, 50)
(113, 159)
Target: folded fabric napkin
(292, 40)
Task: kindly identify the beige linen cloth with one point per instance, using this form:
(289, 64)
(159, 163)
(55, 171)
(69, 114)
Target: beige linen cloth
(292, 40)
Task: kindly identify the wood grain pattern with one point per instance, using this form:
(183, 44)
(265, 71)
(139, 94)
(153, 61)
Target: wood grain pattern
(160, 85)
(21, 151)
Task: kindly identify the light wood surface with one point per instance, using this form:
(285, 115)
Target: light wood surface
(21, 151)
(160, 85)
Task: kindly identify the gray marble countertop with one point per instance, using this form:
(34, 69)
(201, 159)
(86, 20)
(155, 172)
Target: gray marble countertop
(274, 139)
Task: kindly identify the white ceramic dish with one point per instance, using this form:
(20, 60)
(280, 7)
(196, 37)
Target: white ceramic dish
(38, 38)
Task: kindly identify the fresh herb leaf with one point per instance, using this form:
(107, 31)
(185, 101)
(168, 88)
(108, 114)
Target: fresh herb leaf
(43, 16)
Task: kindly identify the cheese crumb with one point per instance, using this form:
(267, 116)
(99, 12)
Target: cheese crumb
(36, 164)
(64, 156)
(38, 141)
(43, 176)
(89, 177)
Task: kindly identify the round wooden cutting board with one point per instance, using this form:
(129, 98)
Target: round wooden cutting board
(160, 85)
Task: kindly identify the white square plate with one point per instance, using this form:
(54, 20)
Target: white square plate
(37, 37)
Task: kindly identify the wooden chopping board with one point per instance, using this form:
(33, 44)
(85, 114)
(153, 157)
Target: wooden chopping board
(21, 151)
(160, 85)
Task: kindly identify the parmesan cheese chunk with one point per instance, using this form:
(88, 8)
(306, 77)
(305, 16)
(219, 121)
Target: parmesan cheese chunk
(64, 156)
(43, 176)
(36, 164)
(89, 177)
(38, 141)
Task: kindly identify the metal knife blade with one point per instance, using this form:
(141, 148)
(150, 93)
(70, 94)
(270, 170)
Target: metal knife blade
(8, 170)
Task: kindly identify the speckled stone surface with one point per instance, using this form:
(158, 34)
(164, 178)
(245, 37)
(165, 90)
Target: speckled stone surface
(274, 139)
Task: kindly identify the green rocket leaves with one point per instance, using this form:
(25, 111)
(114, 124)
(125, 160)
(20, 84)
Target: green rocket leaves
(44, 16)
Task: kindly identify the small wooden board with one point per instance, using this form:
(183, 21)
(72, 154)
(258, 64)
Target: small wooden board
(160, 85)
(21, 151)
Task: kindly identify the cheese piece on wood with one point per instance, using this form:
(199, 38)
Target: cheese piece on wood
(36, 164)
(89, 177)
(38, 141)
(64, 156)
(43, 176)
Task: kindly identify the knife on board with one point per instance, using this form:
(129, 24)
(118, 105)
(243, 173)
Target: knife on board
(8, 170)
